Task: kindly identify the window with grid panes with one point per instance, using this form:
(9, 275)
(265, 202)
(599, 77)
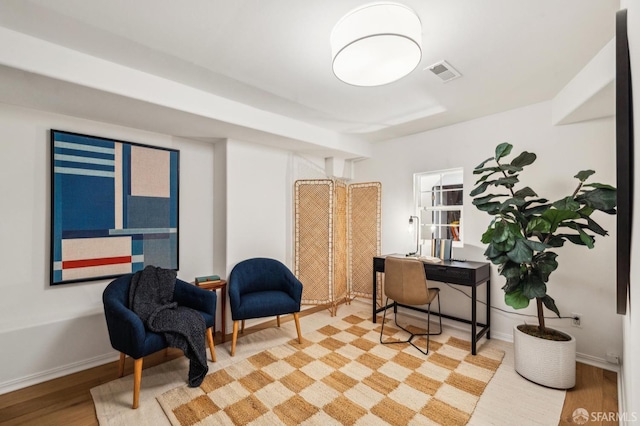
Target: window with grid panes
(438, 202)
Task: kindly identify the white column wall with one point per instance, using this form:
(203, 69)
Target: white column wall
(585, 280)
(259, 205)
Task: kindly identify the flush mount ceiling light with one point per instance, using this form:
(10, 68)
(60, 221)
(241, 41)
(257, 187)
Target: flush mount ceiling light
(376, 44)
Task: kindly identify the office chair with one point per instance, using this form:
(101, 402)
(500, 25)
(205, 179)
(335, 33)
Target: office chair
(405, 283)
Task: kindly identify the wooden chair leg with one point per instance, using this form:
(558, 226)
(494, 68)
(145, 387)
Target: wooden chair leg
(234, 338)
(121, 364)
(137, 378)
(296, 317)
(242, 328)
(210, 341)
(278, 320)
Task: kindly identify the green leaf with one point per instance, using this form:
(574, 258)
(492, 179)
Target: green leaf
(584, 175)
(507, 181)
(555, 241)
(524, 159)
(486, 198)
(533, 287)
(491, 252)
(512, 284)
(499, 260)
(550, 304)
(536, 246)
(575, 239)
(516, 300)
(520, 253)
(491, 208)
(522, 220)
(593, 226)
(515, 229)
(510, 270)
(556, 217)
(495, 169)
(487, 236)
(600, 185)
(586, 211)
(483, 178)
(507, 210)
(509, 168)
(513, 202)
(525, 192)
(544, 264)
(501, 232)
(567, 203)
(585, 238)
(481, 165)
(506, 245)
(599, 199)
(538, 224)
(503, 149)
(479, 189)
(480, 170)
(532, 211)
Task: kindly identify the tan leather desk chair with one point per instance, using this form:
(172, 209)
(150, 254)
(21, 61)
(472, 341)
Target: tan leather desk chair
(405, 283)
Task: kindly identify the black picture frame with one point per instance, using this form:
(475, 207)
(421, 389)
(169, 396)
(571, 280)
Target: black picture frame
(114, 207)
(624, 162)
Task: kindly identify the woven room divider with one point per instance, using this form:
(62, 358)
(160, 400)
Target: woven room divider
(363, 230)
(337, 233)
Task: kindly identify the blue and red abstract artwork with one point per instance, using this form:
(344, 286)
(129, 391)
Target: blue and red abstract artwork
(114, 207)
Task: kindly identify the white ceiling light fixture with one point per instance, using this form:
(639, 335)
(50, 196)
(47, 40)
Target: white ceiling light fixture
(376, 44)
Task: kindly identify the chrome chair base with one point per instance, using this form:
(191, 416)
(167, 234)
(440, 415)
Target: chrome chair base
(411, 335)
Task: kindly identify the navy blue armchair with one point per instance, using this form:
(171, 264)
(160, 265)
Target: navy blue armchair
(128, 333)
(262, 287)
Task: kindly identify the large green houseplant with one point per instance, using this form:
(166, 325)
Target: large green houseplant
(526, 228)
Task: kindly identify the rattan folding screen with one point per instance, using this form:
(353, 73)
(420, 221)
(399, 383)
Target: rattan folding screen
(337, 233)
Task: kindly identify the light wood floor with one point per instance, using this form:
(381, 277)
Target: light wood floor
(67, 401)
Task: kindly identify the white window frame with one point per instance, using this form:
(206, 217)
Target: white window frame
(441, 176)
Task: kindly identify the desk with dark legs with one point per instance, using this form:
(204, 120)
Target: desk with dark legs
(469, 274)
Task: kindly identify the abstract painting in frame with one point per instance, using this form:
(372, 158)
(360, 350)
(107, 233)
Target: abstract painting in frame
(114, 207)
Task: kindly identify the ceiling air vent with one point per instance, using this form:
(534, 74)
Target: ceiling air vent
(444, 71)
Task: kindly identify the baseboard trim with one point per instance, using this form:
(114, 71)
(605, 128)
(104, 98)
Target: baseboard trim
(597, 362)
(54, 373)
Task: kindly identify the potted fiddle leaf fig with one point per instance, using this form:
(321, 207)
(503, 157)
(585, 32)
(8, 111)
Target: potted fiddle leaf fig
(522, 238)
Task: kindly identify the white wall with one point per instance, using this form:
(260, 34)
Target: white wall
(630, 398)
(47, 331)
(258, 206)
(585, 280)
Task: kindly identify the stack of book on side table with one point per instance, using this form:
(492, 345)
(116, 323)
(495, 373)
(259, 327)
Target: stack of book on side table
(208, 281)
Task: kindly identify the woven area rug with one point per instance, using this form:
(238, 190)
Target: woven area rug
(341, 374)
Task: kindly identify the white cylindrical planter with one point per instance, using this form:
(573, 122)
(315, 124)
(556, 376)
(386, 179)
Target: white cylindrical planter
(545, 362)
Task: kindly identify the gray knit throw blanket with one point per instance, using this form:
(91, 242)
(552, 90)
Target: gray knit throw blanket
(151, 298)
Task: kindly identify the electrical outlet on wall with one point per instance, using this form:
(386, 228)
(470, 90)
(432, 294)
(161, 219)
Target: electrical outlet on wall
(576, 319)
(613, 358)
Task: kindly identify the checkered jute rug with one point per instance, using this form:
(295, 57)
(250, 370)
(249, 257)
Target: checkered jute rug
(341, 375)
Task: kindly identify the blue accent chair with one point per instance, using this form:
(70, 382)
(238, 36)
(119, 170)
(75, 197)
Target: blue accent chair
(128, 334)
(262, 287)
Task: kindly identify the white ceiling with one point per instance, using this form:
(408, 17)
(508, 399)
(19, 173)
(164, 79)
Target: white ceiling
(275, 55)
